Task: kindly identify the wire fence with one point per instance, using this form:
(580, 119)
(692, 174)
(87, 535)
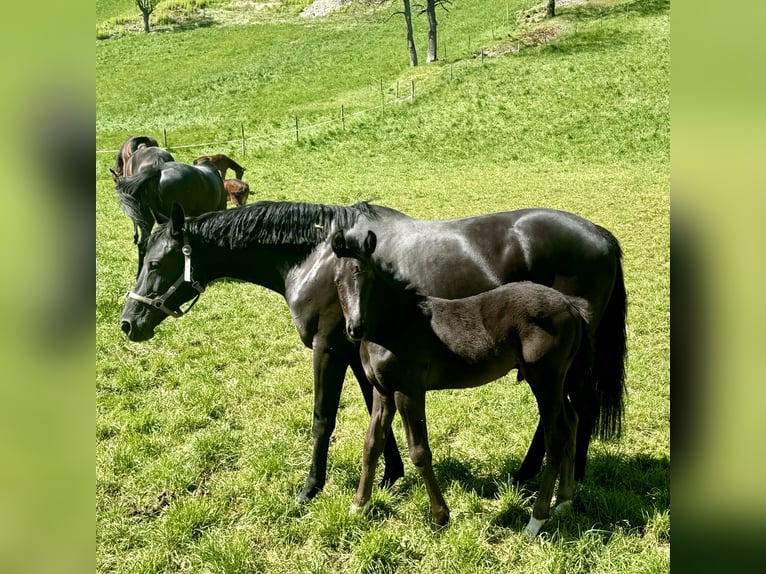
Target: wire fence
(505, 37)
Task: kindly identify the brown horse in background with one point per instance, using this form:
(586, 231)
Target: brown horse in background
(238, 191)
(128, 148)
(222, 163)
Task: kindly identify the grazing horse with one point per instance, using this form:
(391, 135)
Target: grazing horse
(284, 247)
(222, 163)
(148, 196)
(143, 158)
(411, 344)
(128, 147)
(238, 191)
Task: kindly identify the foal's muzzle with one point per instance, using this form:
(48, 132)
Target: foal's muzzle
(356, 331)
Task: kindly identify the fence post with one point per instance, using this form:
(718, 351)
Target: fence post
(342, 118)
(243, 138)
(296, 129)
(412, 90)
(165, 137)
(382, 98)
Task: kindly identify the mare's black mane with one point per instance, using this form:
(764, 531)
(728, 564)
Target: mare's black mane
(271, 223)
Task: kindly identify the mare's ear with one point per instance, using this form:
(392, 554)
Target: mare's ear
(370, 242)
(338, 243)
(177, 219)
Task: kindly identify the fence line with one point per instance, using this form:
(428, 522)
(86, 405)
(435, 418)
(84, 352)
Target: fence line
(294, 131)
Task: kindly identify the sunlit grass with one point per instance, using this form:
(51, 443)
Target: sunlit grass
(203, 434)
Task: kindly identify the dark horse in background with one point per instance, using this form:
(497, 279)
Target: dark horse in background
(148, 196)
(411, 344)
(143, 158)
(285, 247)
(128, 148)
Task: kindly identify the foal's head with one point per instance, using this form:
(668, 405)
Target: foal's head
(354, 278)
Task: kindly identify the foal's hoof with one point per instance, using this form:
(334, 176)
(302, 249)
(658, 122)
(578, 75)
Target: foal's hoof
(359, 510)
(534, 526)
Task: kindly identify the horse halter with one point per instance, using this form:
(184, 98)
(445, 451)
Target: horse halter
(186, 277)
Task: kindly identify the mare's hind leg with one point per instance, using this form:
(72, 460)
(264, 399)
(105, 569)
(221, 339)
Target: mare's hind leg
(533, 461)
(585, 402)
(413, 411)
(383, 411)
(394, 467)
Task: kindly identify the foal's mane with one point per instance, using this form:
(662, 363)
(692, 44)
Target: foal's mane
(271, 223)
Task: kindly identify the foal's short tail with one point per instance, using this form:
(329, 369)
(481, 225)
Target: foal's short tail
(610, 354)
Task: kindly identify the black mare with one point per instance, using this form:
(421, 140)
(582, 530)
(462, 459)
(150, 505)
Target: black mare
(411, 344)
(128, 148)
(148, 196)
(285, 247)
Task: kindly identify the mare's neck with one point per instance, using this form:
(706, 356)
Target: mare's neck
(264, 265)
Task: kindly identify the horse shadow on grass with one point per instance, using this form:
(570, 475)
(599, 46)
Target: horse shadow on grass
(620, 491)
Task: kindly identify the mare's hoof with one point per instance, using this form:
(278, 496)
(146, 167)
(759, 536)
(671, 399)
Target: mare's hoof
(388, 480)
(562, 507)
(534, 526)
(307, 494)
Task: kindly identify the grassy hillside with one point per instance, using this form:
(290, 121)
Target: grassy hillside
(203, 433)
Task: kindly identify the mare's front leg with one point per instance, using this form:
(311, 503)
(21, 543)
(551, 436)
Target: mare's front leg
(329, 370)
(394, 467)
(383, 411)
(413, 411)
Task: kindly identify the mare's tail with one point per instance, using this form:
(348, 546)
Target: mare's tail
(610, 354)
(135, 193)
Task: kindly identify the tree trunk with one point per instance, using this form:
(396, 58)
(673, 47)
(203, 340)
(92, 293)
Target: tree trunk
(146, 20)
(431, 17)
(550, 10)
(410, 40)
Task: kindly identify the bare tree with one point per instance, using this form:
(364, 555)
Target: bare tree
(430, 11)
(146, 7)
(550, 9)
(410, 39)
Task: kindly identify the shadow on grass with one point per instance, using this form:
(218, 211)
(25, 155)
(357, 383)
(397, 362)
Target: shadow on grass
(618, 492)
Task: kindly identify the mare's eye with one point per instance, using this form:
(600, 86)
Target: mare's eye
(154, 265)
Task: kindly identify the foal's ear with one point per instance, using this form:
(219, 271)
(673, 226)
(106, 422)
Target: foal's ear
(177, 218)
(370, 242)
(338, 243)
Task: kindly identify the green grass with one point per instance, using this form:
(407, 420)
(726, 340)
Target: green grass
(203, 434)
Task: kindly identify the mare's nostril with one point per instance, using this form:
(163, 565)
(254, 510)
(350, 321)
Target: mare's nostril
(125, 326)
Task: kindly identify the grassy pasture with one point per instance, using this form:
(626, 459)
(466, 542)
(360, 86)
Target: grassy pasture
(203, 433)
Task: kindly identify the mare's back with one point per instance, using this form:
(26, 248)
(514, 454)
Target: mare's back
(198, 188)
(460, 257)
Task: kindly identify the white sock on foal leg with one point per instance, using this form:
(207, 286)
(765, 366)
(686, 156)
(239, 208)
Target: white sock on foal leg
(534, 526)
(356, 509)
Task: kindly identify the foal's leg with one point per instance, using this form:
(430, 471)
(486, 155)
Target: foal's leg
(550, 404)
(565, 490)
(383, 411)
(394, 467)
(413, 411)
